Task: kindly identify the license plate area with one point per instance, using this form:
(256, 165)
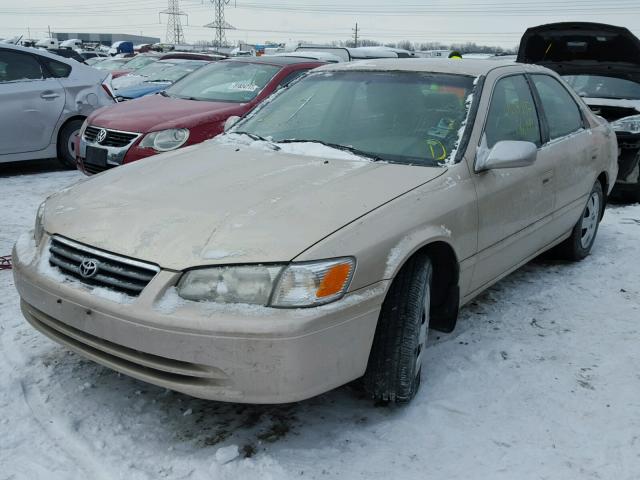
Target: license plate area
(96, 156)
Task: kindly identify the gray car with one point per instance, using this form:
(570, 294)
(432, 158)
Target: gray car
(45, 98)
(318, 240)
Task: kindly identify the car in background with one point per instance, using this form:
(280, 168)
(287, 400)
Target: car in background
(320, 239)
(134, 64)
(67, 53)
(191, 111)
(95, 60)
(602, 64)
(111, 64)
(92, 54)
(159, 80)
(156, 71)
(45, 99)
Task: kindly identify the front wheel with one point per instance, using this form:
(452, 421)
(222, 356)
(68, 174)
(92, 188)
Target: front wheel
(583, 235)
(395, 362)
(67, 143)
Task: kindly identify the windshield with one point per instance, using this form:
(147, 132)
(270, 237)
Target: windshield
(111, 64)
(225, 82)
(597, 86)
(140, 61)
(176, 72)
(156, 69)
(402, 117)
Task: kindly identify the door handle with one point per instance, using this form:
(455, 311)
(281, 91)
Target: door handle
(546, 177)
(49, 95)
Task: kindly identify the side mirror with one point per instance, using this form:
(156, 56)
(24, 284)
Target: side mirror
(507, 154)
(231, 121)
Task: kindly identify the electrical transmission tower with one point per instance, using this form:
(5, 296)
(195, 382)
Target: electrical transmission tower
(355, 36)
(219, 23)
(175, 34)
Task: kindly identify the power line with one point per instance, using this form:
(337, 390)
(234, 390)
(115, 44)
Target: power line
(175, 34)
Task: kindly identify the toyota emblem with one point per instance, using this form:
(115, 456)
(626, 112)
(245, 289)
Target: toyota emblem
(102, 134)
(88, 268)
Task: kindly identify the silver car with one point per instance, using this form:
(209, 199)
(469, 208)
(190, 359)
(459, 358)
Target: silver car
(45, 99)
(321, 237)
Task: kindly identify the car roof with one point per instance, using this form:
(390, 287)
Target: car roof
(471, 67)
(274, 60)
(41, 52)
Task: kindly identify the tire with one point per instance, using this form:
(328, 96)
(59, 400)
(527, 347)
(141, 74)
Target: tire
(583, 235)
(66, 143)
(395, 362)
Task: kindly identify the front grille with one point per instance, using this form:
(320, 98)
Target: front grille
(114, 138)
(93, 169)
(112, 271)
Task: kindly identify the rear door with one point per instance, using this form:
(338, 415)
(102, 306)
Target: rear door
(515, 204)
(31, 101)
(571, 145)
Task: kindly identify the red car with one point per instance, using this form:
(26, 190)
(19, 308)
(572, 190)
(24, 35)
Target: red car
(191, 111)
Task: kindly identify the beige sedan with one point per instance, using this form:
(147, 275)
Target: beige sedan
(318, 239)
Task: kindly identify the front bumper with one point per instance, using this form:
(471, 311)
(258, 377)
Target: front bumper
(233, 353)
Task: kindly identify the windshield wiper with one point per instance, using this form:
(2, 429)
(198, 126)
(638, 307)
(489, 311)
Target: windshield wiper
(164, 94)
(337, 146)
(258, 138)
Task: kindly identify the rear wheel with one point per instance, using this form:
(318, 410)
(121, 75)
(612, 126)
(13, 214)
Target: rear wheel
(67, 143)
(395, 362)
(583, 235)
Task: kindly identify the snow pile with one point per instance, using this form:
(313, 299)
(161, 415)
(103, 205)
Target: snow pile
(54, 273)
(26, 247)
(127, 81)
(308, 149)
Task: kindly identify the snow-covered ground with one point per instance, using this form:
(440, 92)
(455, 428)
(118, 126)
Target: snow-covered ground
(541, 380)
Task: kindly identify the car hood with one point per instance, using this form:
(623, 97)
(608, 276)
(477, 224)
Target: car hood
(225, 204)
(157, 112)
(574, 48)
(141, 90)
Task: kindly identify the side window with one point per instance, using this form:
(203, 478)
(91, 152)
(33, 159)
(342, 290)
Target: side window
(512, 113)
(560, 109)
(291, 77)
(15, 66)
(56, 69)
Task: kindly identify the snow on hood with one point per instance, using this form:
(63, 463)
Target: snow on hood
(224, 204)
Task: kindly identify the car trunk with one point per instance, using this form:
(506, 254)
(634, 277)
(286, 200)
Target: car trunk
(581, 48)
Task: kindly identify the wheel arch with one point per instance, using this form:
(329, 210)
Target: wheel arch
(603, 178)
(445, 285)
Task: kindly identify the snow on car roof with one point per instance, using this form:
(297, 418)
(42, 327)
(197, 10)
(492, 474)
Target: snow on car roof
(472, 67)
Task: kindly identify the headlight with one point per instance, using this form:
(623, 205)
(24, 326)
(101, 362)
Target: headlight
(165, 140)
(296, 285)
(38, 229)
(84, 127)
(627, 124)
(247, 284)
(313, 283)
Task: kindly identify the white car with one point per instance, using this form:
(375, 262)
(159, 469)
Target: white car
(45, 99)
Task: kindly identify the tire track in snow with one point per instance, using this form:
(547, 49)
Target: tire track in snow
(63, 436)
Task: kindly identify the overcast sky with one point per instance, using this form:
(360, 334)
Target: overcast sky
(491, 22)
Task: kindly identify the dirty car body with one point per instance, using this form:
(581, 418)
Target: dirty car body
(602, 63)
(40, 93)
(253, 270)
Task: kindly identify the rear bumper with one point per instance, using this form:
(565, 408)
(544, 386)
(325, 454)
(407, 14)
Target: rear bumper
(237, 354)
